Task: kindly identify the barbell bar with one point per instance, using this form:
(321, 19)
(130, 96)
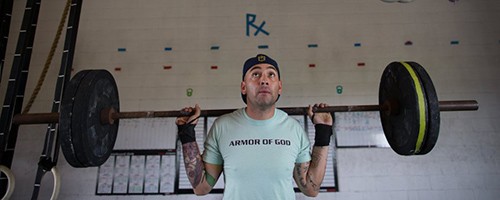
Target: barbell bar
(109, 115)
(90, 112)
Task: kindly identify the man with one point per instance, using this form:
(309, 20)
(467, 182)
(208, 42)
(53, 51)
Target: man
(259, 148)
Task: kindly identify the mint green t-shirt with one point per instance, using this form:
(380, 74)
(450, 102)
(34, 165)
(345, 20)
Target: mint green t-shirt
(258, 156)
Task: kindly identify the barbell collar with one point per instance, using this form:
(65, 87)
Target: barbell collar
(109, 115)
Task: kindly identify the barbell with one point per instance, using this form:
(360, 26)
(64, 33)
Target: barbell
(90, 112)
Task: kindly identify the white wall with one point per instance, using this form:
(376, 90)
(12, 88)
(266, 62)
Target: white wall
(463, 165)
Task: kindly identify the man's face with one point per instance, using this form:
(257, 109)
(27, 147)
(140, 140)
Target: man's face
(261, 85)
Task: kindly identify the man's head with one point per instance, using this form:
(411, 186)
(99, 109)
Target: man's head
(261, 80)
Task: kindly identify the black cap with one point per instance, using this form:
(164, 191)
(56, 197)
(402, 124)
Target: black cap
(260, 58)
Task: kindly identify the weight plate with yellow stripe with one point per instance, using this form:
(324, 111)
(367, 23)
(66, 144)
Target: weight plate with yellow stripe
(433, 117)
(404, 118)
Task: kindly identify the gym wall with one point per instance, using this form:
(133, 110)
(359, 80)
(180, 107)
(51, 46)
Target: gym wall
(157, 50)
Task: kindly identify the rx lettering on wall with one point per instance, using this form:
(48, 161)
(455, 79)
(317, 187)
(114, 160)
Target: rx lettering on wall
(251, 18)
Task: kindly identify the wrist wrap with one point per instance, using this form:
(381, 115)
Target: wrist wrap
(186, 133)
(323, 134)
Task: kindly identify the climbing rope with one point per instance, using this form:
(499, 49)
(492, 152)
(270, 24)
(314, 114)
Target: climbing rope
(48, 61)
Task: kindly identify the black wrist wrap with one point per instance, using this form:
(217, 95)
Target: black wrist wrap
(323, 134)
(186, 133)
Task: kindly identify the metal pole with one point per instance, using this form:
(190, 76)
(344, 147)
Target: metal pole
(42, 118)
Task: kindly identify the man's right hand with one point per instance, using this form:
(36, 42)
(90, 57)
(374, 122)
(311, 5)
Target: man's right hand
(323, 125)
(193, 119)
(186, 124)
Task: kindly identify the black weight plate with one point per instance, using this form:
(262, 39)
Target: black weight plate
(97, 91)
(404, 127)
(433, 119)
(65, 138)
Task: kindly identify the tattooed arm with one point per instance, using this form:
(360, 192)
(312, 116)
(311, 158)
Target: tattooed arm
(309, 175)
(202, 176)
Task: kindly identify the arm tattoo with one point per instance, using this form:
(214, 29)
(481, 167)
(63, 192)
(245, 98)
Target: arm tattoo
(301, 170)
(314, 186)
(310, 174)
(316, 157)
(210, 179)
(193, 163)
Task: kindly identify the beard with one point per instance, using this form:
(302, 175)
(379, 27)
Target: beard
(264, 102)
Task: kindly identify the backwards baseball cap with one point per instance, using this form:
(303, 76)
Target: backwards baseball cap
(258, 59)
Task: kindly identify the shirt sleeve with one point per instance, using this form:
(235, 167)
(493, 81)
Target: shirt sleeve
(304, 151)
(212, 153)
